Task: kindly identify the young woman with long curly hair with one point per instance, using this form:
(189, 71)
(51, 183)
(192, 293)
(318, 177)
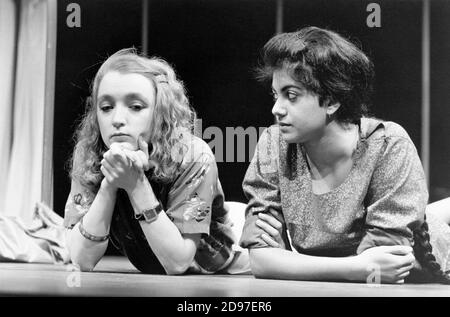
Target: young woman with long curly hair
(141, 179)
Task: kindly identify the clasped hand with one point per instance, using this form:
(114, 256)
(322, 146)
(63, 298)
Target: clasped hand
(391, 264)
(124, 168)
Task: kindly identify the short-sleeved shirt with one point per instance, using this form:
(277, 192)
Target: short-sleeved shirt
(194, 201)
(380, 202)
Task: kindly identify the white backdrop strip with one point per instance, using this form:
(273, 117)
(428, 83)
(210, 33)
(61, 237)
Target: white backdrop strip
(24, 183)
(7, 61)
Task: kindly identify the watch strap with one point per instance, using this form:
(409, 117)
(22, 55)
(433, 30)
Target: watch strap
(150, 214)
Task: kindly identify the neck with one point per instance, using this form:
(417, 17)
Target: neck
(337, 142)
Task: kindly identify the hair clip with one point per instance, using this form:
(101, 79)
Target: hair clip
(300, 44)
(162, 79)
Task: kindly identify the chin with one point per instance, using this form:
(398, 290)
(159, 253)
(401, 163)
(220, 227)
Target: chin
(291, 138)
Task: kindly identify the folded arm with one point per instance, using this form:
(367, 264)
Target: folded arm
(96, 221)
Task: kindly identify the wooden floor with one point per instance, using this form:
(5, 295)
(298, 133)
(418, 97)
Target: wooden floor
(59, 280)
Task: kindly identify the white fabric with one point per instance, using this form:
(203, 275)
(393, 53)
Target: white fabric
(40, 242)
(7, 57)
(241, 260)
(24, 182)
(236, 212)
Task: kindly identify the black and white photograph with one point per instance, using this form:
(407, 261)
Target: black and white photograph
(235, 151)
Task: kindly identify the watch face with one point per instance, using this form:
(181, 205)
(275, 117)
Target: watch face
(150, 215)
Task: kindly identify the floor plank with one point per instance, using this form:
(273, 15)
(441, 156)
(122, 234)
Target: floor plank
(115, 276)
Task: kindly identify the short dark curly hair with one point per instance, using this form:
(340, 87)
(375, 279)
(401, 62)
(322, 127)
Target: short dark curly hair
(325, 63)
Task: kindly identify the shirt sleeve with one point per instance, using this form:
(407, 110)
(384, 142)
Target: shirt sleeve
(397, 196)
(261, 187)
(191, 196)
(77, 205)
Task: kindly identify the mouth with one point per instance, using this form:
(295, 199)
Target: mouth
(119, 135)
(282, 124)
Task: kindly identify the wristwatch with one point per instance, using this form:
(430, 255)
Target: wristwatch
(149, 215)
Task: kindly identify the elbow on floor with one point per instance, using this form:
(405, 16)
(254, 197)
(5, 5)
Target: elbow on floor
(259, 270)
(86, 267)
(176, 269)
(83, 266)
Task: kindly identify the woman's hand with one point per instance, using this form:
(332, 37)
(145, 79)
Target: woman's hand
(386, 264)
(272, 229)
(140, 157)
(123, 168)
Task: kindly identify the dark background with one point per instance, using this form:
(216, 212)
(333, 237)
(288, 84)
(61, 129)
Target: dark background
(214, 46)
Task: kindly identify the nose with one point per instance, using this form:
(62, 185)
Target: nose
(278, 110)
(119, 116)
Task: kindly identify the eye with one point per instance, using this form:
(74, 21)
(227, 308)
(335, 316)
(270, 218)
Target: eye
(105, 107)
(291, 96)
(136, 106)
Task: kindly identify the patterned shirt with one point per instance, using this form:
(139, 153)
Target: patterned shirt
(194, 202)
(380, 202)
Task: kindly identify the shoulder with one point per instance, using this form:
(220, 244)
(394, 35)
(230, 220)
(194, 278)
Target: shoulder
(270, 137)
(387, 146)
(390, 151)
(374, 130)
(271, 132)
(195, 150)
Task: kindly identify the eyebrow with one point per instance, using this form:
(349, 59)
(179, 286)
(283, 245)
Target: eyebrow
(130, 96)
(290, 86)
(136, 96)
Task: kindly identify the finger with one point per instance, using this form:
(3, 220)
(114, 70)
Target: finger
(267, 228)
(112, 170)
(109, 157)
(405, 268)
(115, 160)
(137, 161)
(144, 159)
(106, 154)
(407, 260)
(273, 213)
(118, 154)
(270, 220)
(137, 158)
(106, 165)
(143, 146)
(267, 239)
(402, 281)
(106, 173)
(398, 249)
(130, 155)
(132, 158)
(403, 275)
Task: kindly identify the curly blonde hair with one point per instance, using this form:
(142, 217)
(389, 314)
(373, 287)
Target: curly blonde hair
(172, 117)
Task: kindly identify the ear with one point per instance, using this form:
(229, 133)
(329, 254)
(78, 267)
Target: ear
(332, 107)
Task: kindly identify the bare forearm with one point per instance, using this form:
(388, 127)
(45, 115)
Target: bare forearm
(278, 263)
(174, 251)
(97, 221)
(83, 252)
